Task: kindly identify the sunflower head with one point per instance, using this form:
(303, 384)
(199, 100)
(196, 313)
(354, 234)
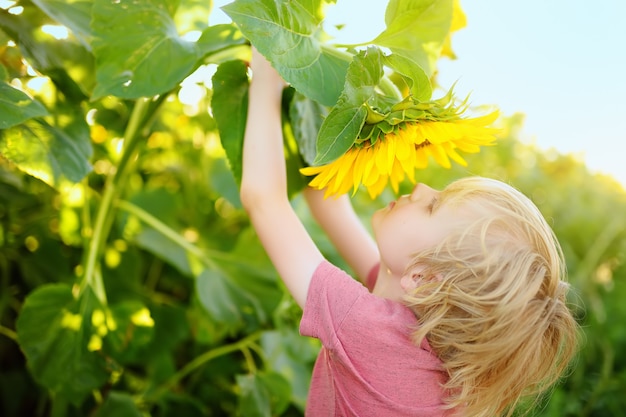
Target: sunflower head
(404, 140)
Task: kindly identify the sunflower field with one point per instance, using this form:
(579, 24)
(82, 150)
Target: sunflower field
(131, 283)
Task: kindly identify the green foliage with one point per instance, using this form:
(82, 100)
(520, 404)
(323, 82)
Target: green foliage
(345, 120)
(289, 33)
(131, 283)
(230, 108)
(17, 107)
(416, 30)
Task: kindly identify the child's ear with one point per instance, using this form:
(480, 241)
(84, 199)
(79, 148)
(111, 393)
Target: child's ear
(412, 279)
(420, 275)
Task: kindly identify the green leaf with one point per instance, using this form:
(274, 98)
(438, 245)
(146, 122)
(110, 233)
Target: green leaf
(224, 300)
(171, 329)
(62, 61)
(306, 118)
(279, 390)
(413, 74)
(47, 152)
(293, 159)
(222, 179)
(289, 34)
(417, 29)
(339, 131)
(17, 107)
(344, 122)
(263, 394)
(230, 109)
(291, 356)
(254, 274)
(118, 404)
(74, 14)
(138, 50)
(159, 206)
(255, 398)
(133, 330)
(54, 331)
(218, 37)
(164, 248)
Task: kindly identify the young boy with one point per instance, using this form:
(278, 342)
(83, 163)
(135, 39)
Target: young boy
(466, 313)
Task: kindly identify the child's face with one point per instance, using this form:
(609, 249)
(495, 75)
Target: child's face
(412, 223)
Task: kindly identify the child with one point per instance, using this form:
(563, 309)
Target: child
(466, 314)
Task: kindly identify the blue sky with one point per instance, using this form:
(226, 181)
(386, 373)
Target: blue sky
(560, 62)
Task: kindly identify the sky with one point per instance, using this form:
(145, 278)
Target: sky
(560, 62)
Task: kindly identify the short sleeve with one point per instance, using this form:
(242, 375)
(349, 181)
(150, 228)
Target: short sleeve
(331, 295)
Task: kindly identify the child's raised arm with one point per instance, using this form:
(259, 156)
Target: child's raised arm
(345, 230)
(264, 184)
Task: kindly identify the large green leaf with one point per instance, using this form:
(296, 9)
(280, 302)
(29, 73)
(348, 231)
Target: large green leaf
(290, 35)
(54, 331)
(138, 50)
(47, 152)
(62, 61)
(17, 107)
(417, 30)
(230, 109)
(344, 122)
(306, 118)
(74, 14)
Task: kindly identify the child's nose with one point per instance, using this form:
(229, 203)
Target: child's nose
(422, 191)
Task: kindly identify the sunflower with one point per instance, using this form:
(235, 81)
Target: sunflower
(397, 154)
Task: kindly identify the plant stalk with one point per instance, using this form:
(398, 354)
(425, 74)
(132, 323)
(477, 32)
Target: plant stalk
(203, 359)
(141, 117)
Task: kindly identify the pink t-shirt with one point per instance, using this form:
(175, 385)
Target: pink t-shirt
(368, 365)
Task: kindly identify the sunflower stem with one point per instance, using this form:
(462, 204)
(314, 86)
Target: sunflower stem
(141, 116)
(389, 88)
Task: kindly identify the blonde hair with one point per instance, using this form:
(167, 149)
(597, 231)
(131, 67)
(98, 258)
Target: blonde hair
(495, 312)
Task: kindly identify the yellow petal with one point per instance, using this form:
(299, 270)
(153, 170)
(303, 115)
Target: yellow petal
(439, 155)
(311, 170)
(347, 162)
(381, 157)
(421, 158)
(449, 149)
(378, 187)
(359, 167)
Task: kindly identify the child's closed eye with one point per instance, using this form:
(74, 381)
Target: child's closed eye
(432, 204)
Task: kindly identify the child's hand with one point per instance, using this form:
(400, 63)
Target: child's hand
(263, 71)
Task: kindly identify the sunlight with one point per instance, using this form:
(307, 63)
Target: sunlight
(56, 31)
(17, 10)
(142, 318)
(71, 321)
(192, 36)
(37, 83)
(6, 4)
